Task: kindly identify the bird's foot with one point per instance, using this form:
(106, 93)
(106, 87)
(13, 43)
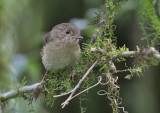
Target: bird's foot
(72, 76)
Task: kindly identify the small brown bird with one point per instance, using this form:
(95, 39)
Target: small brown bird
(61, 47)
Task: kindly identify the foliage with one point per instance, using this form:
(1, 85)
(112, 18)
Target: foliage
(20, 85)
(149, 23)
(1, 96)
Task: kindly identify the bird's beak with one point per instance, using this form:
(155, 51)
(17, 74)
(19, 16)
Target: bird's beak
(78, 37)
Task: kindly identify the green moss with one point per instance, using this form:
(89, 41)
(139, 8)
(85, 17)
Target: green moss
(22, 84)
(149, 23)
(1, 97)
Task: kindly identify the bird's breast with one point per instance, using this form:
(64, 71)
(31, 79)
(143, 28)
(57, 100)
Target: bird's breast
(58, 55)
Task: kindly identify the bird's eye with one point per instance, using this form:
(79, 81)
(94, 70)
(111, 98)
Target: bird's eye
(67, 31)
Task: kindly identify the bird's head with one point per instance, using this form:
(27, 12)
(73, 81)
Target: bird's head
(65, 32)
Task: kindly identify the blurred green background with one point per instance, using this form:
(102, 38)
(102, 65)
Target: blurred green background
(24, 22)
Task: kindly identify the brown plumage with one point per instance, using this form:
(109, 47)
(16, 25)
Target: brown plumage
(61, 47)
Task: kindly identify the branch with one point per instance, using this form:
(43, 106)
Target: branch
(100, 24)
(150, 52)
(26, 89)
(78, 85)
(63, 94)
(15, 93)
(99, 82)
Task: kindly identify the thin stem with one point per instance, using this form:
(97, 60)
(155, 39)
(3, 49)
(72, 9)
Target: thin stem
(99, 82)
(79, 83)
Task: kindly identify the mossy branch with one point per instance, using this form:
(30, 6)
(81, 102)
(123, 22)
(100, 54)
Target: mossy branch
(15, 93)
(150, 52)
(30, 88)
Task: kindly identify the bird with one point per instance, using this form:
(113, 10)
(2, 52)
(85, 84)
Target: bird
(61, 47)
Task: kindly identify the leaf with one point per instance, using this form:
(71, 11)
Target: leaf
(128, 77)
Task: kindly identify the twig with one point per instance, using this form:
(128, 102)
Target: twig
(115, 101)
(123, 54)
(100, 24)
(127, 54)
(99, 82)
(112, 80)
(112, 67)
(98, 49)
(15, 93)
(62, 94)
(102, 92)
(151, 50)
(78, 85)
(155, 3)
